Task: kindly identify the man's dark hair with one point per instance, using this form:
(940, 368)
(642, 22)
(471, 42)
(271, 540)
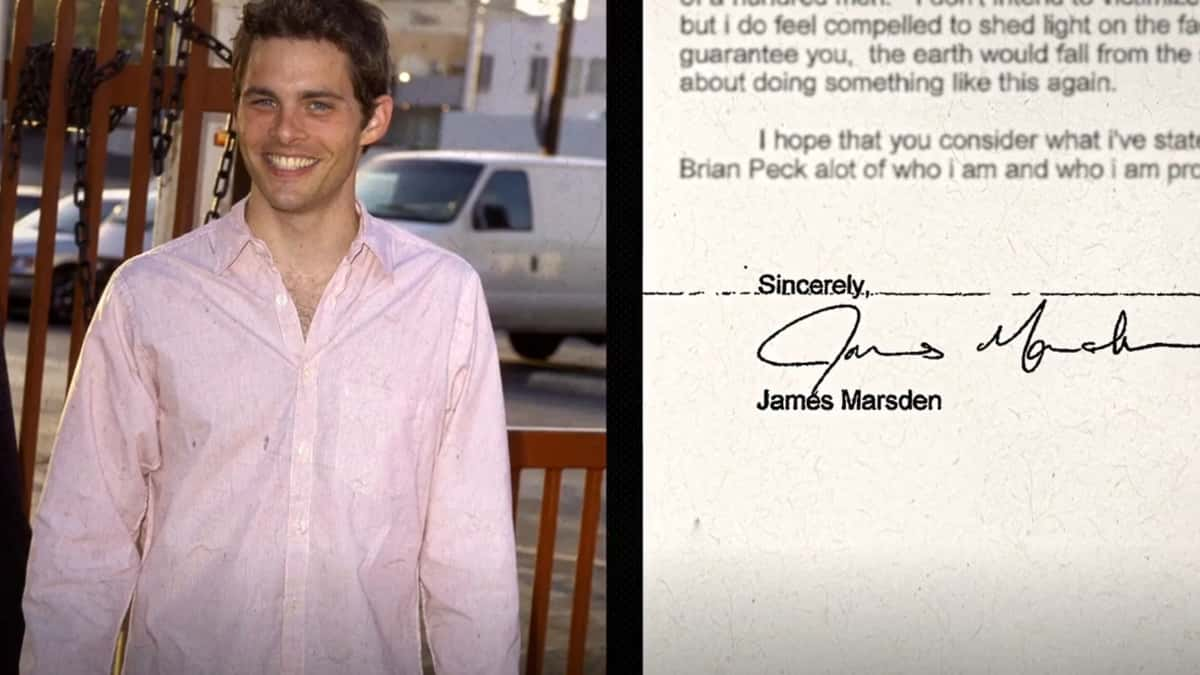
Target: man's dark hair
(354, 26)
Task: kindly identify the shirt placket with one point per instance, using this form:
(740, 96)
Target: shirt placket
(300, 487)
(300, 483)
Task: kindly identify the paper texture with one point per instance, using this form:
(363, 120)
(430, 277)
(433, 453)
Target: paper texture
(1042, 514)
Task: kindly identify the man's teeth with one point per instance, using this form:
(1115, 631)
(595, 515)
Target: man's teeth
(290, 163)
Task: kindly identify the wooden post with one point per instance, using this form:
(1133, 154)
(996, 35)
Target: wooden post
(106, 49)
(10, 172)
(139, 172)
(39, 310)
(191, 118)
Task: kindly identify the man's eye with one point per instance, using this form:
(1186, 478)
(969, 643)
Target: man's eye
(262, 102)
(319, 106)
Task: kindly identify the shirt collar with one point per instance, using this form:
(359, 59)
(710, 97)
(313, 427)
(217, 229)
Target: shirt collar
(231, 235)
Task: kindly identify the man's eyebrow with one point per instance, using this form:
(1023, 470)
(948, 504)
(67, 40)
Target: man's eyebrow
(307, 94)
(259, 91)
(320, 93)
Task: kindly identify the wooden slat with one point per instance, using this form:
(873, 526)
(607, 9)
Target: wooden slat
(35, 355)
(106, 49)
(515, 472)
(543, 571)
(215, 96)
(555, 450)
(10, 174)
(562, 449)
(189, 139)
(589, 527)
(139, 171)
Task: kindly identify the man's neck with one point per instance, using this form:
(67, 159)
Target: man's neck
(309, 242)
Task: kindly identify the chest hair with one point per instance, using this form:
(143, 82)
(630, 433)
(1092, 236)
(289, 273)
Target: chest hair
(306, 291)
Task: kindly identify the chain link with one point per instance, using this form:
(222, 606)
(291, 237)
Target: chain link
(162, 126)
(81, 198)
(191, 31)
(162, 129)
(168, 116)
(32, 110)
(156, 92)
(224, 171)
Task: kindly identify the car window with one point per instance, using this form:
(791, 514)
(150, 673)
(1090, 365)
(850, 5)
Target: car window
(26, 204)
(510, 190)
(429, 191)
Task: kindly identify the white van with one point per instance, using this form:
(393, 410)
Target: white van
(532, 226)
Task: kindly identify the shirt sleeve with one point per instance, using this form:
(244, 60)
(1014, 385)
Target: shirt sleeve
(84, 558)
(468, 556)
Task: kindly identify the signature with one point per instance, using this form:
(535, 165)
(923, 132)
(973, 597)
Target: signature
(848, 349)
(1033, 350)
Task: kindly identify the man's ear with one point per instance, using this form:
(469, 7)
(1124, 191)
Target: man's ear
(378, 122)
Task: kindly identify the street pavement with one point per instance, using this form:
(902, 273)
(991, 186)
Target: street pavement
(567, 391)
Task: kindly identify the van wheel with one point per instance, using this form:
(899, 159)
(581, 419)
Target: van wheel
(535, 345)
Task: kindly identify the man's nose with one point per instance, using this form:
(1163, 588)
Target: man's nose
(289, 125)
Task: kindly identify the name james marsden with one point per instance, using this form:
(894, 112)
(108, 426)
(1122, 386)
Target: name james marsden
(851, 399)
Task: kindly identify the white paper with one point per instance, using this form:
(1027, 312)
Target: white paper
(1047, 517)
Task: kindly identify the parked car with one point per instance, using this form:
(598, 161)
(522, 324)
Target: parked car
(532, 226)
(110, 250)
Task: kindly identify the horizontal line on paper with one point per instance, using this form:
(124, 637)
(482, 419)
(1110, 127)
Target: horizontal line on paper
(944, 294)
(1123, 294)
(955, 294)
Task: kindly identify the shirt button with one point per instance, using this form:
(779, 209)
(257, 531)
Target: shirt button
(302, 449)
(307, 374)
(302, 526)
(281, 299)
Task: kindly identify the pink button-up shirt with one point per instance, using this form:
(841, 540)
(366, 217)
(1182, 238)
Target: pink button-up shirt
(276, 504)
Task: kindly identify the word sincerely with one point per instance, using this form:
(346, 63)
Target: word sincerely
(776, 284)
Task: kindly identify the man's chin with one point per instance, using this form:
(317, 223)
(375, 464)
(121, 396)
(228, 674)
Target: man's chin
(292, 204)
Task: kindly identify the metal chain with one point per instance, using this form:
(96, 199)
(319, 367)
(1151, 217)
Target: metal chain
(32, 109)
(168, 117)
(33, 97)
(224, 171)
(163, 120)
(191, 31)
(156, 91)
(87, 76)
(81, 197)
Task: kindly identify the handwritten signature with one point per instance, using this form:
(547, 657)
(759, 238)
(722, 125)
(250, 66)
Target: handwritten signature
(1033, 350)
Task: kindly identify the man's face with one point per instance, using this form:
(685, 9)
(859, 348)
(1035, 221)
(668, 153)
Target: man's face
(299, 126)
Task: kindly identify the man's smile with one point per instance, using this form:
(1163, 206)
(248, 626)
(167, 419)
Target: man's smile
(289, 162)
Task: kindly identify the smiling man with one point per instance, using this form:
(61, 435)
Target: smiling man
(285, 437)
